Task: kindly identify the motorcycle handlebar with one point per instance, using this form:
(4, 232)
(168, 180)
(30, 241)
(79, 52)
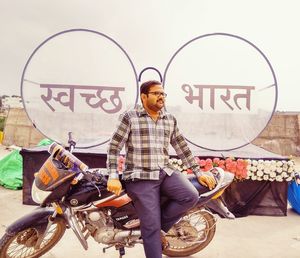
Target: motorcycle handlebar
(219, 176)
(71, 142)
(94, 176)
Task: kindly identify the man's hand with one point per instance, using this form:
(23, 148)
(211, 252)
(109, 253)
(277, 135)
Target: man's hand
(207, 180)
(114, 185)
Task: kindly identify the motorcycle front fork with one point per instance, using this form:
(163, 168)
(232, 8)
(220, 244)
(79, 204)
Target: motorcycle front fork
(74, 225)
(42, 235)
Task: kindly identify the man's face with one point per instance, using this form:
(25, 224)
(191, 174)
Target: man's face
(154, 100)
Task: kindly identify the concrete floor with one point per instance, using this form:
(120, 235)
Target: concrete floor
(248, 237)
(252, 236)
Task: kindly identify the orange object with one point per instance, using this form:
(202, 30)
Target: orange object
(117, 202)
(218, 194)
(66, 157)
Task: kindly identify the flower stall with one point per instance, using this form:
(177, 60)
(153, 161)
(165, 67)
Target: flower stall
(259, 187)
(250, 169)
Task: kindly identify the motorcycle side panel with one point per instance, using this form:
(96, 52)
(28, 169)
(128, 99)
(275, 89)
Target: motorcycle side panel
(117, 202)
(124, 214)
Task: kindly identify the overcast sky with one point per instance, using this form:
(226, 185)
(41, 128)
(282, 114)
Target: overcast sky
(151, 32)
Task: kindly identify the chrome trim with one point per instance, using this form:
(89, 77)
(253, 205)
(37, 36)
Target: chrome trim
(84, 207)
(127, 233)
(41, 237)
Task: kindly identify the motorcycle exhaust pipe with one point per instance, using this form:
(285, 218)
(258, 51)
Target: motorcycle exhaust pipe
(128, 233)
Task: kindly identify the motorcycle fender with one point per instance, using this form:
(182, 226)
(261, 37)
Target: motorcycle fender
(38, 217)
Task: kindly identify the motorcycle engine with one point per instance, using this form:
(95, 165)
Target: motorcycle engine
(102, 229)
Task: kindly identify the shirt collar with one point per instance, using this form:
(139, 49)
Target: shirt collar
(142, 111)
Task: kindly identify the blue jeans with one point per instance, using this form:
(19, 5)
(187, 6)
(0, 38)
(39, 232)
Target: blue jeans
(146, 194)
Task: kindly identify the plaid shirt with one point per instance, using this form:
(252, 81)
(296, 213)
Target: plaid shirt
(147, 145)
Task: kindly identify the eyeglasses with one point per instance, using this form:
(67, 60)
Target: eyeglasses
(158, 93)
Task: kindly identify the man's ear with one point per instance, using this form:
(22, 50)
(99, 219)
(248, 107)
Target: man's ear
(143, 97)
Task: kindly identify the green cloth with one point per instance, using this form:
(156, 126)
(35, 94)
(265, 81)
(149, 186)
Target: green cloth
(45, 142)
(11, 168)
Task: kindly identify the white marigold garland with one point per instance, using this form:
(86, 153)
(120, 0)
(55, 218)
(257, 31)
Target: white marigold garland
(271, 170)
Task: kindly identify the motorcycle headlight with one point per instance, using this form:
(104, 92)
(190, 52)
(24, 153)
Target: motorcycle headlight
(38, 195)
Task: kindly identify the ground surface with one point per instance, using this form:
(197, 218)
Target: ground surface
(252, 236)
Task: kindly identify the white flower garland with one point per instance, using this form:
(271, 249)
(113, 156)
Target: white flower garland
(267, 170)
(271, 170)
(177, 164)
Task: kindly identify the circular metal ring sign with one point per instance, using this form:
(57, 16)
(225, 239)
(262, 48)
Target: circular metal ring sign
(78, 81)
(222, 89)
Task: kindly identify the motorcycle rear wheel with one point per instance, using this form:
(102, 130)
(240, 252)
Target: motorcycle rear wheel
(21, 244)
(199, 227)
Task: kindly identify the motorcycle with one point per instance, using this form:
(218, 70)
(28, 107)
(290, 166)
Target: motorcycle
(72, 196)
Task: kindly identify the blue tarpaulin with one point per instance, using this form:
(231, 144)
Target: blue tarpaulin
(294, 196)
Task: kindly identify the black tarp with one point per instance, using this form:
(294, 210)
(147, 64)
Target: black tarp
(243, 198)
(250, 197)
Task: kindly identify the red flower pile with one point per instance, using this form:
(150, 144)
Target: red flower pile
(237, 167)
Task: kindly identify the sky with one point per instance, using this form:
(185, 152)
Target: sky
(152, 31)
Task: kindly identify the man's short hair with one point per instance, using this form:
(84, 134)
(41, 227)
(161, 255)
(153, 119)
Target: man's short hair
(147, 85)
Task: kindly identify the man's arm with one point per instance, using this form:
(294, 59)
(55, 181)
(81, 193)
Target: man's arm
(184, 153)
(117, 141)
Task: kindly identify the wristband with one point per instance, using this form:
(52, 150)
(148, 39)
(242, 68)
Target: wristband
(113, 176)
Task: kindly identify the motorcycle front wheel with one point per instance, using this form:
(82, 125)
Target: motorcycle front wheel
(191, 234)
(22, 244)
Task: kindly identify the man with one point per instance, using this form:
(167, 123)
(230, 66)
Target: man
(147, 132)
